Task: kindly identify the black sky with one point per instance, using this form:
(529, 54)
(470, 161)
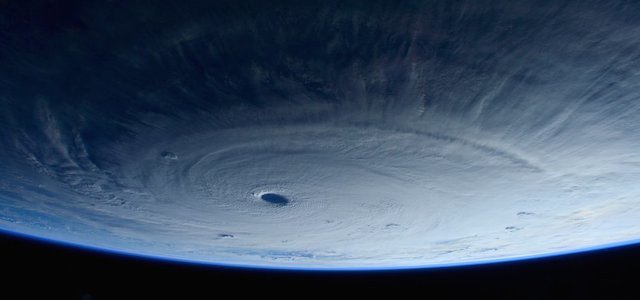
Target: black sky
(36, 268)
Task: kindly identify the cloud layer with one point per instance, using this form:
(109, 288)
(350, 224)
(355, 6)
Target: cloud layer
(406, 134)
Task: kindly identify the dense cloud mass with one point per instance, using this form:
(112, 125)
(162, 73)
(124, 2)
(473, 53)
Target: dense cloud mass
(323, 134)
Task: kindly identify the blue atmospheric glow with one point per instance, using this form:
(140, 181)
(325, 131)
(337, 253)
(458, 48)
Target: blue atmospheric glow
(159, 259)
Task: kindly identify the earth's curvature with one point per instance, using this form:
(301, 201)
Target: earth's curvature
(322, 134)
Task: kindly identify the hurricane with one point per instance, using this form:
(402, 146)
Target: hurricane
(322, 134)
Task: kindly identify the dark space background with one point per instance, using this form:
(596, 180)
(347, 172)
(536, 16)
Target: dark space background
(36, 269)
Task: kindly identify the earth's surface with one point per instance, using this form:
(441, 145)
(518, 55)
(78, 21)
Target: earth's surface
(322, 134)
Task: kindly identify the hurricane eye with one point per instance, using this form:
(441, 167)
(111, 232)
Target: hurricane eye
(274, 199)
